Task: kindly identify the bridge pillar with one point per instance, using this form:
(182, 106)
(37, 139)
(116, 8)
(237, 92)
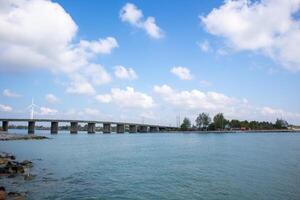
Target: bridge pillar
(161, 129)
(31, 126)
(120, 128)
(5, 126)
(91, 127)
(54, 127)
(154, 129)
(132, 128)
(106, 128)
(143, 129)
(74, 128)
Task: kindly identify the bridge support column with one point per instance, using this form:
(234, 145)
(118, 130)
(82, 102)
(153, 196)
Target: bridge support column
(154, 129)
(120, 128)
(161, 129)
(91, 127)
(54, 127)
(132, 128)
(143, 129)
(5, 126)
(74, 128)
(106, 128)
(31, 126)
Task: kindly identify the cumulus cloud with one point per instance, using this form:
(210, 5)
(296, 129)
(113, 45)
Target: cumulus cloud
(97, 74)
(91, 112)
(271, 112)
(47, 111)
(125, 73)
(51, 98)
(79, 85)
(128, 98)
(102, 46)
(31, 38)
(252, 25)
(182, 72)
(5, 108)
(195, 99)
(134, 16)
(214, 102)
(11, 94)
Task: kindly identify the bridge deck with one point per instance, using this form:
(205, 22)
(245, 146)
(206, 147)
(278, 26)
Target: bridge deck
(80, 121)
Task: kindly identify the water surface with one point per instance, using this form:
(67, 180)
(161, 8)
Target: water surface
(160, 166)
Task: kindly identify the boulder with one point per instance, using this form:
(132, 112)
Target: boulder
(26, 163)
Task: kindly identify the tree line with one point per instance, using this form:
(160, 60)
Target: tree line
(219, 122)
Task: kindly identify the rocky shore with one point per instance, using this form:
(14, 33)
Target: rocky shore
(4, 136)
(11, 168)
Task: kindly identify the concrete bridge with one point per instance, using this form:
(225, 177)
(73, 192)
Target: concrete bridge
(121, 127)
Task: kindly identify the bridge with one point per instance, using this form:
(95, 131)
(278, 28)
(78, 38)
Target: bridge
(121, 127)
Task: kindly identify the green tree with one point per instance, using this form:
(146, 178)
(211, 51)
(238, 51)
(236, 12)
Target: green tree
(234, 123)
(186, 124)
(219, 121)
(281, 124)
(203, 120)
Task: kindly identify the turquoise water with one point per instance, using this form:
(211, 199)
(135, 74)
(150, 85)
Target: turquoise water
(160, 166)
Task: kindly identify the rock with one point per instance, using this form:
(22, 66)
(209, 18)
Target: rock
(7, 156)
(15, 167)
(3, 193)
(4, 170)
(3, 161)
(11, 176)
(17, 195)
(29, 177)
(26, 163)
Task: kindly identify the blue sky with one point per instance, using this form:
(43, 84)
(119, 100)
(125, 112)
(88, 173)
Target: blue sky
(150, 61)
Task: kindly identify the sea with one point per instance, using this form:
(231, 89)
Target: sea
(159, 166)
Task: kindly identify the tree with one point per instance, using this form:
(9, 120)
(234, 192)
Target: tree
(203, 120)
(234, 123)
(186, 124)
(281, 124)
(219, 121)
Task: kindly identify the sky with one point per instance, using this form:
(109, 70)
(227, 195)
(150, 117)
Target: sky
(150, 61)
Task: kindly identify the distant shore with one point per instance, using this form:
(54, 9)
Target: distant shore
(249, 131)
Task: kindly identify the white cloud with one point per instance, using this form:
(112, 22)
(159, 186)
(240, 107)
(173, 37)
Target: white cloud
(47, 111)
(134, 16)
(9, 93)
(104, 98)
(103, 46)
(214, 102)
(152, 29)
(195, 99)
(125, 73)
(278, 113)
(127, 98)
(30, 38)
(204, 46)
(79, 85)
(131, 14)
(97, 74)
(182, 72)
(248, 25)
(51, 98)
(5, 108)
(91, 112)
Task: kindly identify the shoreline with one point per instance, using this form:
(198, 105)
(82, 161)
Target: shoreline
(248, 131)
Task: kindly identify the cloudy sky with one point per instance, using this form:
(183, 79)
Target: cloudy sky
(150, 61)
